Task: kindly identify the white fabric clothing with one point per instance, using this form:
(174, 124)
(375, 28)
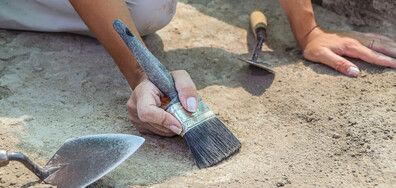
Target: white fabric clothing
(60, 16)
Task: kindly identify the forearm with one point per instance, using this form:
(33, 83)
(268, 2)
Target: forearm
(301, 18)
(99, 15)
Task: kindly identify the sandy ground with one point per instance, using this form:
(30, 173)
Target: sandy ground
(306, 126)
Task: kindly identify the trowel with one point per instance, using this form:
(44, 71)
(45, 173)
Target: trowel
(258, 22)
(80, 161)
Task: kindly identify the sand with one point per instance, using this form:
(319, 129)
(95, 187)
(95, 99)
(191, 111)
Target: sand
(306, 126)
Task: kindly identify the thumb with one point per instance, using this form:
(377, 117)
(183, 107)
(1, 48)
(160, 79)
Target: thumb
(186, 89)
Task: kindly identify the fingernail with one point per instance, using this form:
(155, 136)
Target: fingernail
(352, 71)
(175, 129)
(191, 104)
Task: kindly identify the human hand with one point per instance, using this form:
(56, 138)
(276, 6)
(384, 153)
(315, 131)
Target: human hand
(328, 47)
(146, 105)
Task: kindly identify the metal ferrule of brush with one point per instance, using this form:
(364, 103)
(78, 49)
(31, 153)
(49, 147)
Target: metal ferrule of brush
(190, 120)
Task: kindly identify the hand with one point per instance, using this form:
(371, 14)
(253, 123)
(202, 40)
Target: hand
(146, 105)
(328, 47)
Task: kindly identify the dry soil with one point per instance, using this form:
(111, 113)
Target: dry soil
(307, 126)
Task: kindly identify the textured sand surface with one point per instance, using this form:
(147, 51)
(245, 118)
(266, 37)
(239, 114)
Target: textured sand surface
(306, 126)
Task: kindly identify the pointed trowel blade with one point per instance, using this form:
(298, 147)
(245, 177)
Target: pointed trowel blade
(86, 159)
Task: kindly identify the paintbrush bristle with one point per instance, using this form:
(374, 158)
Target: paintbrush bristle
(211, 142)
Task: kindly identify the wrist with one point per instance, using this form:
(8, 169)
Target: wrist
(306, 30)
(301, 18)
(139, 77)
(303, 41)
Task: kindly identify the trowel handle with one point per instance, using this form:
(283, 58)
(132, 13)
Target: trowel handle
(154, 70)
(6, 157)
(258, 22)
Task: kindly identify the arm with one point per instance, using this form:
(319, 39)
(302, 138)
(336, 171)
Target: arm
(145, 106)
(301, 18)
(328, 47)
(99, 15)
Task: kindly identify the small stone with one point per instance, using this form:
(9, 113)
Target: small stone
(29, 119)
(330, 118)
(348, 134)
(336, 136)
(37, 68)
(280, 184)
(352, 123)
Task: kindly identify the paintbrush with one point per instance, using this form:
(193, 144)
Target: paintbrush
(206, 136)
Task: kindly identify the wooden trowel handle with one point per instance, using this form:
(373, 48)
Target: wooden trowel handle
(258, 21)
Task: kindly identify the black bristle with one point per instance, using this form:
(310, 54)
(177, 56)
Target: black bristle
(211, 142)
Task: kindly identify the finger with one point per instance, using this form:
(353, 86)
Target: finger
(143, 125)
(148, 111)
(384, 47)
(186, 89)
(147, 128)
(362, 36)
(157, 132)
(377, 36)
(373, 41)
(339, 63)
(160, 128)
(370, 56)
(150, 129)
(155, 115)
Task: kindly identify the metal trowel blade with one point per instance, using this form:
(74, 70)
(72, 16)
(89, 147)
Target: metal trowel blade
(86, 159)
(259, 64)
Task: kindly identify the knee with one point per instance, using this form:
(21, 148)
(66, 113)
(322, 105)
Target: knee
(151, 15)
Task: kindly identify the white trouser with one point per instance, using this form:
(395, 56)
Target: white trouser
(59, 15)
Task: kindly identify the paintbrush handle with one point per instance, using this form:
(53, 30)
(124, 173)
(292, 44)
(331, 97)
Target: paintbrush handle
(154, 70)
